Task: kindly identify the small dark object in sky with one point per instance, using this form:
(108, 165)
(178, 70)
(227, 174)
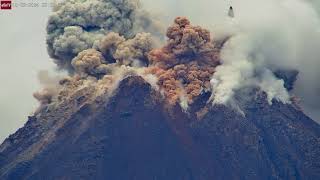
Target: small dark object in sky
(231, 12)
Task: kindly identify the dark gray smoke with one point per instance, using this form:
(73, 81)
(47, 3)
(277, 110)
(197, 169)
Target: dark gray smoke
(77, 25)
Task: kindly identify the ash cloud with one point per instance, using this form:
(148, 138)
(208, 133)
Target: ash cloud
(77, 25)
(50, 89)
(186, 63)
(97, 58)
(103, 41)
(131, 52)
(181, 69)
(267, 36)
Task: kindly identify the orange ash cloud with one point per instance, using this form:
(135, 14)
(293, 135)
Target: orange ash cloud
(186, 63)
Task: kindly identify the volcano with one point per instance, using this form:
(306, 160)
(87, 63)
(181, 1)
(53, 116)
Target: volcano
(202, 106)
(136, 135)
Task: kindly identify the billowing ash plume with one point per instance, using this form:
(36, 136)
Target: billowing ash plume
(101, 43)
(127, 52)
(181, 69)
(77, 25)
(186, 63)
(50, 88)
(104, 41)
(89, 62)
(283, 36)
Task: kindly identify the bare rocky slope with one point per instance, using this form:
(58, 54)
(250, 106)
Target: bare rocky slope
(135, 135)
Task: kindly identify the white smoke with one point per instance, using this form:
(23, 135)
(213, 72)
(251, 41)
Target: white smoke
(276, 35)
(243, 66)
(268, 35)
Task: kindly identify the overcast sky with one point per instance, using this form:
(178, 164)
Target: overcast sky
(23, 55)
(23, 51)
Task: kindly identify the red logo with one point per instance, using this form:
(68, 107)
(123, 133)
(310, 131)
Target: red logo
(5, 4)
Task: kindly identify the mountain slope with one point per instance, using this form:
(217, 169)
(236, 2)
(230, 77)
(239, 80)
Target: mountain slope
(136, 135)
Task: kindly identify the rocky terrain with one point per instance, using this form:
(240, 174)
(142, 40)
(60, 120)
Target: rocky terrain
(136, 135)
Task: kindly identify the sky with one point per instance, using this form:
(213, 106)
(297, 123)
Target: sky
(23, 49)
(23, 55)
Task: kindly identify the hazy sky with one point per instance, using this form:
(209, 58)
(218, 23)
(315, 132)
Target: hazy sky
(23, 54)
(23, 50)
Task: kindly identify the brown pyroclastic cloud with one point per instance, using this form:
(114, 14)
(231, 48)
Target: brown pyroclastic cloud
(186, 63)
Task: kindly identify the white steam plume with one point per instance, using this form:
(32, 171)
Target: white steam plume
(282, 35)
(270, 35)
